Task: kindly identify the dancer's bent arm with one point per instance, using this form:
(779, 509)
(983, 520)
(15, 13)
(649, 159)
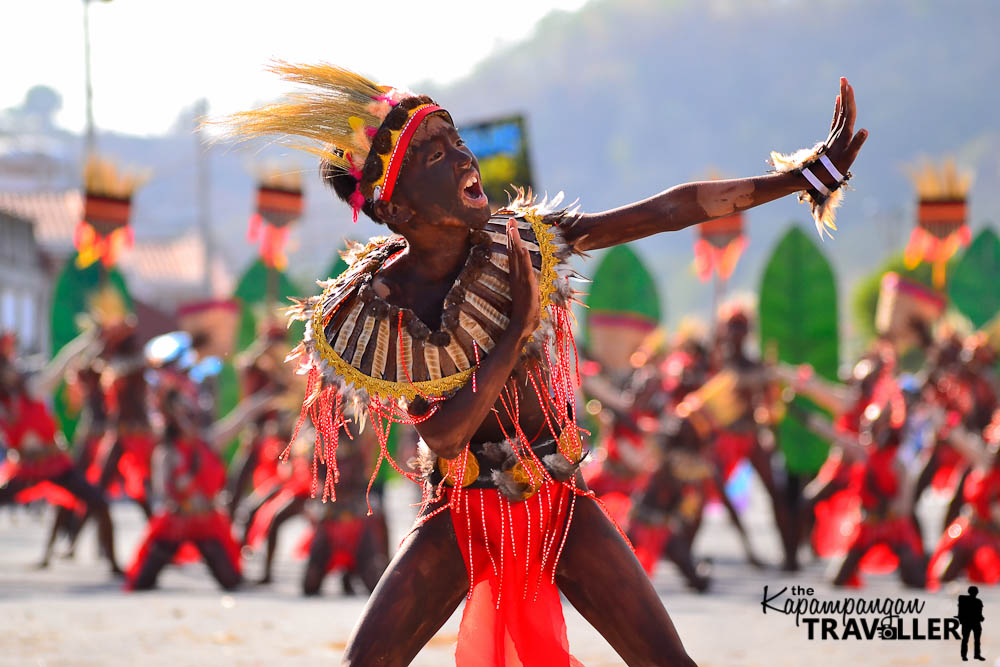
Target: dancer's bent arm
(457, 419)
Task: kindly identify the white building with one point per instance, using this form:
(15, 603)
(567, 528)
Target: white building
(25, 285)
(161, 275)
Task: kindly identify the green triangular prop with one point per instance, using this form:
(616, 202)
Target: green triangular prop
(798, 315)
(973, 283)
(252, 291)
(623, 286)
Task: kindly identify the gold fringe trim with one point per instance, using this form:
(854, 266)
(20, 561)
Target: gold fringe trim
(546, 239)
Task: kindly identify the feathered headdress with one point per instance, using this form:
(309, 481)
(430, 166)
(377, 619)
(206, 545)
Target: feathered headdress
(104, 230)
(357, 127)
(941, 217)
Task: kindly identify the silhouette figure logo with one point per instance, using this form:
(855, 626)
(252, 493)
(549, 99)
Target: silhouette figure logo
(970, 615)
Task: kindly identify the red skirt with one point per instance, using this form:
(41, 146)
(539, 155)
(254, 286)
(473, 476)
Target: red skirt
(731, 448)
(134, 465)
(344, 536)
(949, 468)
(186, 528)
(299, 485)
(983, 567)
(513, 616)
(878, 540)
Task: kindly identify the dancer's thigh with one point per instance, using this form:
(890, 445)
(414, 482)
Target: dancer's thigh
(423, 585)
(603, 580)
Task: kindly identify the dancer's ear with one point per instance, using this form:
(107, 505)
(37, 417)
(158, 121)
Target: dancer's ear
(395, 216)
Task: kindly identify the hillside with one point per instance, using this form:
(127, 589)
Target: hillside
(627, 97)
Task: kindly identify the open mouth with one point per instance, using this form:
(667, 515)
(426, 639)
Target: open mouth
(472, 190)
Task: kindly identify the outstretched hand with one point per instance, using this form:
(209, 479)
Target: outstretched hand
(843, 143)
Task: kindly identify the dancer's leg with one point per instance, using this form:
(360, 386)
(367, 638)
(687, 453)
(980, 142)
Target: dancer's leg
(595, 567)
(293, 507)
(423, 585)
(97, 506)
(760, 459)
(319, 556)
(161, 552)
(219, 564)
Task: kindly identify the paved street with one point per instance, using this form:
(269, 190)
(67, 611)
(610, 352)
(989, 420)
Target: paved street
(74, 614)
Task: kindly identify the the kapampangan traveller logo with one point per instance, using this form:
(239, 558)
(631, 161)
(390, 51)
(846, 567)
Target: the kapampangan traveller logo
(877, 618)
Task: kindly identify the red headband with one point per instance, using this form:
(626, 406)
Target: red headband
(395, 162)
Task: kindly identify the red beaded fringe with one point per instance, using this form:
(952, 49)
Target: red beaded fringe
(558, 374)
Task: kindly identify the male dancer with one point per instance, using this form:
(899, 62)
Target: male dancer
(885, 489)
(257, 465)
(971, 542)
(343, 538)
(751, 435)
(190, 475)
(667, 510)
(36, 458)
(456, 288)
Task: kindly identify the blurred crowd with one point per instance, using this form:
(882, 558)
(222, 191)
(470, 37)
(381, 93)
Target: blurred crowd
(148, 433)
(677, 428)
(684, 426)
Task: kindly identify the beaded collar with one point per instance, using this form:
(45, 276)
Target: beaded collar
(358, 339)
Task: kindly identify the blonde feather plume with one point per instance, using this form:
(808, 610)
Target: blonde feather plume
(944, 183)
(317, 118)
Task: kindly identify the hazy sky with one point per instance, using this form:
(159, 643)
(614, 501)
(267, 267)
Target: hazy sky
(151, 58)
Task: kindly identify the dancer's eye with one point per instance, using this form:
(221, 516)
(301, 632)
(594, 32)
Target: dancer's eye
(435, 156)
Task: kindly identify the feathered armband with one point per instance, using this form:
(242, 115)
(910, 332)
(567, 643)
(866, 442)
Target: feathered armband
(823, 200)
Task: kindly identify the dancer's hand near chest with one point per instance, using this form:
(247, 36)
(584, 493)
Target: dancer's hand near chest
(455, 420)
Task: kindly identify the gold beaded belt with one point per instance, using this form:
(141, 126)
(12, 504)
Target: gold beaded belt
(496, 465)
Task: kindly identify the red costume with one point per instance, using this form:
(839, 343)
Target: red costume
(292, 480)
(976, 532)
(33, 457)
(841, 509)
(880, 539)
(194, 475)
(671, 506)
(131, 433)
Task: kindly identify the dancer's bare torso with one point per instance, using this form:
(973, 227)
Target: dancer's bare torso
(426, 300)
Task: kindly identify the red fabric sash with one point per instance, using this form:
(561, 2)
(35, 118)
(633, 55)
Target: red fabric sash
(649, 542)
(513, 616)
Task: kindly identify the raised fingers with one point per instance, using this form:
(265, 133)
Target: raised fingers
(517, 250)
(850, 108)
(836, 114)
(856, 142)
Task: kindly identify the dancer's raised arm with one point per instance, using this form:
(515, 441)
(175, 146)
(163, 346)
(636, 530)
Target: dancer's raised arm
(819, 172)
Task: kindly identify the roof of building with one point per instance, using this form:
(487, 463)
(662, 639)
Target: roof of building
(163, 272)
(55, 215)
